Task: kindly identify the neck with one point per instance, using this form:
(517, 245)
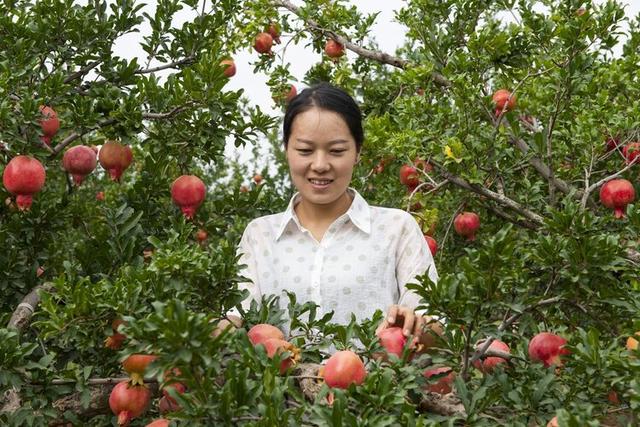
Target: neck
(323, 214)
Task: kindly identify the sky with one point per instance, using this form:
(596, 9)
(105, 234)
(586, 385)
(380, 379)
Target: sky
(255, 85)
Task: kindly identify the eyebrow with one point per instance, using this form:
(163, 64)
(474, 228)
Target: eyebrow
(337, 141)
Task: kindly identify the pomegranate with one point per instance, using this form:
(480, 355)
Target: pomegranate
(166, 404)
(632, 343)
(162, 422)
(136, 364)
(293, 92)
(547, 348)
(39, 271)
(257, 178)
(263, 43)
(613, 143)
(433, 245)
(431, 337)
(24, 176)
(343, 369)
(244, 189)
(489, 363)
(262, 332)
(466, 224)
(129, 401)
(409, 176)
(275, 346)
(616, 194)
(631, 151)
(503, 100)
(100, 196)
(229, 67)
(443, 383)
(333, 49)
(50, 123)
(114, 342)
(553, 422)
(612, 397)
(274, 32)
(188, 192)
(79, 161)
(170, 402)
(115, 158)
(393, 340)
(201, 235)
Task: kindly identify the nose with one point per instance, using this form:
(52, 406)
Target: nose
(320, 162)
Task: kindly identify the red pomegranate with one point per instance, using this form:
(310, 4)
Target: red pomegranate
(168, 403)
(259, 333)
(489, 363)
(617, 194)
(409, 176)
(466, 224)
(613, 143)
(631, 152)
(274, 32)
(502, 98)
(547, 348)
(129, 401)
(79, 161)
(393, 340)
(114, 342)
(443, 383)
(263, 43)
(188, 192)
(343, 369)
(162, 422)
(333, 49)
(115, 158)
(49, 123)
(229, 67)
(275, 346)
(24, 176)
(433, 245)
(136, 364)
(201, 235)
(100, 196)
(293, 92)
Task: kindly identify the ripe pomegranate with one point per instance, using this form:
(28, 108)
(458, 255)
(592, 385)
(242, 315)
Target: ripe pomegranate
(613, 143)
(547, 348)
(136, 364)
(24, 176)
(263, 43)
(502, 98)
(409, 176)
(275, 346)
(39, 271)
(393, 340)
(114, 342)
(201, 235)
(129, 401)
(115, 158)
(466, 224)
(79, 161)
(100, 196)
(293, 92)
(162, 422)
(50, 123)
(489, 363)
(631, 152)
(230, 67)
(258, 334)
(257, 178)
(274, 32)
(553, 422)
(343, 369)
(632, 343)
(333, 49)
(169, 402)
(166, 405)
(433, 245)
(443, 383)
(612, 397)
(431, 337)
(617, 194)
(188, 192)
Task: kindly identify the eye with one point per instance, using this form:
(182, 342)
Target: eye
(338, 151)
(304, 151)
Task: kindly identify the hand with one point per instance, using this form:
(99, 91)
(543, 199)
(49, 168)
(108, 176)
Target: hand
(404, 317)
(231, 321)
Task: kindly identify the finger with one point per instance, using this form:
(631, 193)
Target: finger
(393, 314)
(409, 320)
(419, 325)
(383, 325)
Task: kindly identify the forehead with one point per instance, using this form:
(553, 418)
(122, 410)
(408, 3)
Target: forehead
(319, 126)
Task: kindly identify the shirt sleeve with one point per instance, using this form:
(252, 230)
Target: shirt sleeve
(250, 270)
(413, 259)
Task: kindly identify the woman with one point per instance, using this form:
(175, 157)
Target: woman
(330, 246)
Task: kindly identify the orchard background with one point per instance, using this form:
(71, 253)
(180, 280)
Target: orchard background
(548, 255)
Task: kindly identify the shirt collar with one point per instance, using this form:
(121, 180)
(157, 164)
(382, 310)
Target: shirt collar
(359, 213)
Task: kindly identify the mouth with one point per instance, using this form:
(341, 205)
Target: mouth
(320, 183)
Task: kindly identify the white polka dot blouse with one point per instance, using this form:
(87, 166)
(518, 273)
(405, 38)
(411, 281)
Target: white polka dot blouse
(363, 262)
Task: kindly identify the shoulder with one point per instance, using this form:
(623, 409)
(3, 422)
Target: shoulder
(264, 225)
(396, 218)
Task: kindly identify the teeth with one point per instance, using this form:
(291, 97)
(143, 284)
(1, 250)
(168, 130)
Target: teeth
(319, 182)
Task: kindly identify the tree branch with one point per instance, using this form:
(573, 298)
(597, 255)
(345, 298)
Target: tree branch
(81, 72)
(591, 188)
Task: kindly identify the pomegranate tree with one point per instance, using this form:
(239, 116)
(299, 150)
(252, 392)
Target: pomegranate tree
(547, 348)
(466, 224)
(617, 194)
(24, 176)
(229, 67)
(128, 401)
(263, 43)
(188, 192)
(504, 101)
(333, 49)
(489, 363)
(259, 333)
(343, 369)
(115, 158)
(49, 123)
(79, 161)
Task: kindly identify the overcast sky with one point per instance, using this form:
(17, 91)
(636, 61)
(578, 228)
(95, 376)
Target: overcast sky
(255, 84)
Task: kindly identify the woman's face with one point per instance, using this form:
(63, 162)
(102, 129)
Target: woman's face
(321, 147)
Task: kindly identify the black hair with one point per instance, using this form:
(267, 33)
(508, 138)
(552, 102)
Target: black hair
(327, 97)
